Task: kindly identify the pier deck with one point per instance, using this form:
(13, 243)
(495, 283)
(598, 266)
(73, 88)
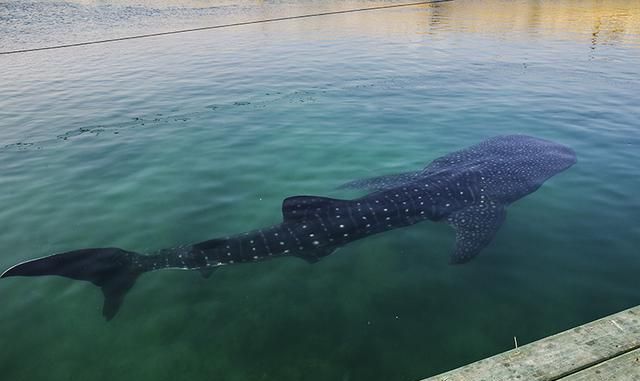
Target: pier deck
(605, 350)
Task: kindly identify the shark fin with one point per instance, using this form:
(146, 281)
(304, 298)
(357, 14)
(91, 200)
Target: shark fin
(206, 272)
(382, 182)
(475, 227)
(299, 207)
(111, 269)
(208, 247)
(114, 292)
(313, 256)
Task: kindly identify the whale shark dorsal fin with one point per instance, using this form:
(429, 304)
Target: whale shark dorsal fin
(298, 207)
(382, 182)
(475, 227)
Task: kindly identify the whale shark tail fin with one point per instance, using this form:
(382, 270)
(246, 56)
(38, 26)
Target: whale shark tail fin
(113, 270)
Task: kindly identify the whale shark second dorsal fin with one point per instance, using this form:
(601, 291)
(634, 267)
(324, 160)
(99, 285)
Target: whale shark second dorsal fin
(475, 227)
(299, 207)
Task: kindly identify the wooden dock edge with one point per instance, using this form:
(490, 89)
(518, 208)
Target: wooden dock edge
(607, 349)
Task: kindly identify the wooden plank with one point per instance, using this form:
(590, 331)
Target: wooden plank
(557, 356)
(622, 368)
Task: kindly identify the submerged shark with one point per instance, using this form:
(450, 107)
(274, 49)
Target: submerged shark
(467, 189)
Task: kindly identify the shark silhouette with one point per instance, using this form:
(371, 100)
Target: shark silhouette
(467, 189)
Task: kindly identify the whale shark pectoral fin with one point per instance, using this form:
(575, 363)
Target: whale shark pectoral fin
(299, 207)
(313, 256)
(382, 182)
(475, 227)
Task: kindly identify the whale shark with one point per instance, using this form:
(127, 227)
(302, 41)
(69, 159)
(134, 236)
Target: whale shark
(467, 189)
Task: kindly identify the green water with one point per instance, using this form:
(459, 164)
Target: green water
(151, 143)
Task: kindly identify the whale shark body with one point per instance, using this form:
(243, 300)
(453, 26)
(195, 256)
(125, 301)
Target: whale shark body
(467, 189)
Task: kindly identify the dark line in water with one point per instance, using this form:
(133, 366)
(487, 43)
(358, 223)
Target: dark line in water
(223, 26)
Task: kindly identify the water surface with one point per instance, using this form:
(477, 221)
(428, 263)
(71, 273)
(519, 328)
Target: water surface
(151, 143)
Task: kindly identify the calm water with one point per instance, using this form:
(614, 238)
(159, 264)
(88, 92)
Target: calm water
(151, 143)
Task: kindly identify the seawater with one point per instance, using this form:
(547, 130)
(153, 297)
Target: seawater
(152, 143)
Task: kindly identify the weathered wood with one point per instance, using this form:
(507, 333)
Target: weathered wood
(561, 355)
(622, 368)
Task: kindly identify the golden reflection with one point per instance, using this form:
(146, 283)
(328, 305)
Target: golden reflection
(604, 21)
(596, 22)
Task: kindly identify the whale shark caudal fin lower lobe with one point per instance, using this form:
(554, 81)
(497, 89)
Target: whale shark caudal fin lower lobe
(111, 269)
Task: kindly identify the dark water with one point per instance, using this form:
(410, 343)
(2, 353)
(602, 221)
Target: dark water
(151, 143)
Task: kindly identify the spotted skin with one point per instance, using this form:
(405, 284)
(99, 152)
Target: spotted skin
(383, 182)
(467, 189)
